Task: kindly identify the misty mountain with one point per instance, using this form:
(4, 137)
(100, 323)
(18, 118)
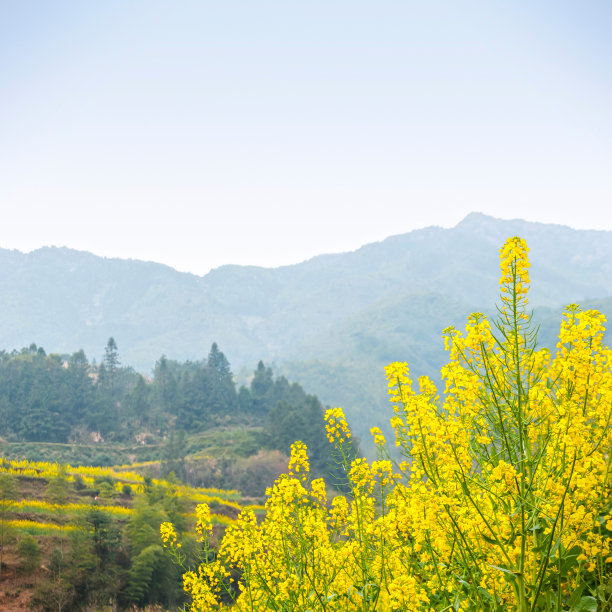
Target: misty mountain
(330, 323)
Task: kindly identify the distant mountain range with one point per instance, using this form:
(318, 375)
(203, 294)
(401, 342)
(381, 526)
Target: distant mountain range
(330, 323)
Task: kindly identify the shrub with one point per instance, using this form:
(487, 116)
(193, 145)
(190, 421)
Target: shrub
(58, 486)
(79, 483)
(106, 491)
(104, 478)
(30, 554)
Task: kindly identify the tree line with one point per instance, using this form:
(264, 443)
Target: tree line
(66, 398)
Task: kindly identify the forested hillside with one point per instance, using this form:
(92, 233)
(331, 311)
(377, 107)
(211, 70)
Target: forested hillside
(107, 413)
(95, 457)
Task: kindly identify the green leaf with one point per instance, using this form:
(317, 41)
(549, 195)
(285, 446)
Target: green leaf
(555, 547)
(586, 604)
(503, 569)
(567, 563)
(488, 539)
(575, 598)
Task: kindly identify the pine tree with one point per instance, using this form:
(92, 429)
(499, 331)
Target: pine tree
(111, 362)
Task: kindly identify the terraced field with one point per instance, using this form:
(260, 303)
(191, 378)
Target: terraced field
(48, 502)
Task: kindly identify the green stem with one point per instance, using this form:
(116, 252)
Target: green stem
(550, 541)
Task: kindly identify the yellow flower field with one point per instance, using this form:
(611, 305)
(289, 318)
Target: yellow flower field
(502, 500)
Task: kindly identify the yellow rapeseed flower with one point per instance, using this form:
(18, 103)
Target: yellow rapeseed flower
(504, 478)
(336, 426)
(168, 534)
(379, 438)
(298, 463)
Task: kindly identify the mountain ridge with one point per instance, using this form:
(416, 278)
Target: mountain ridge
(86, 298)
(386, 300)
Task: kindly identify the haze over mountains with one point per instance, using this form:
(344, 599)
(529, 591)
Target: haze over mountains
(330, 323)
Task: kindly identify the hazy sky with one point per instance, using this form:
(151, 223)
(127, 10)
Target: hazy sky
(200, 133)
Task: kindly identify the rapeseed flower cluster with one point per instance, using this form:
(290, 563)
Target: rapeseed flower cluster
(25, 505)
(203, 521)
(502, 500)
(38, 526)
(336, 426)
(168, 534)
(379, 438)
(120, 476)
(298, 463)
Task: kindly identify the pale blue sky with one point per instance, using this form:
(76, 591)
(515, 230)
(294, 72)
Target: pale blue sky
(203, 133)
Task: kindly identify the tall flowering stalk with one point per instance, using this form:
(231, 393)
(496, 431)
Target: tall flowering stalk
(502, 501)
(513, 467)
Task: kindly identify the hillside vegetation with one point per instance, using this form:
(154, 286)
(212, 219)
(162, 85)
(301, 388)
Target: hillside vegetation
(85, 537)
(189, 418)
(502, 499)
(335, 317)
(511, 464)
(79, 534)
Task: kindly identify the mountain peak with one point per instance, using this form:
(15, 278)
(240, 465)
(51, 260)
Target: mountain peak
(476, 219)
